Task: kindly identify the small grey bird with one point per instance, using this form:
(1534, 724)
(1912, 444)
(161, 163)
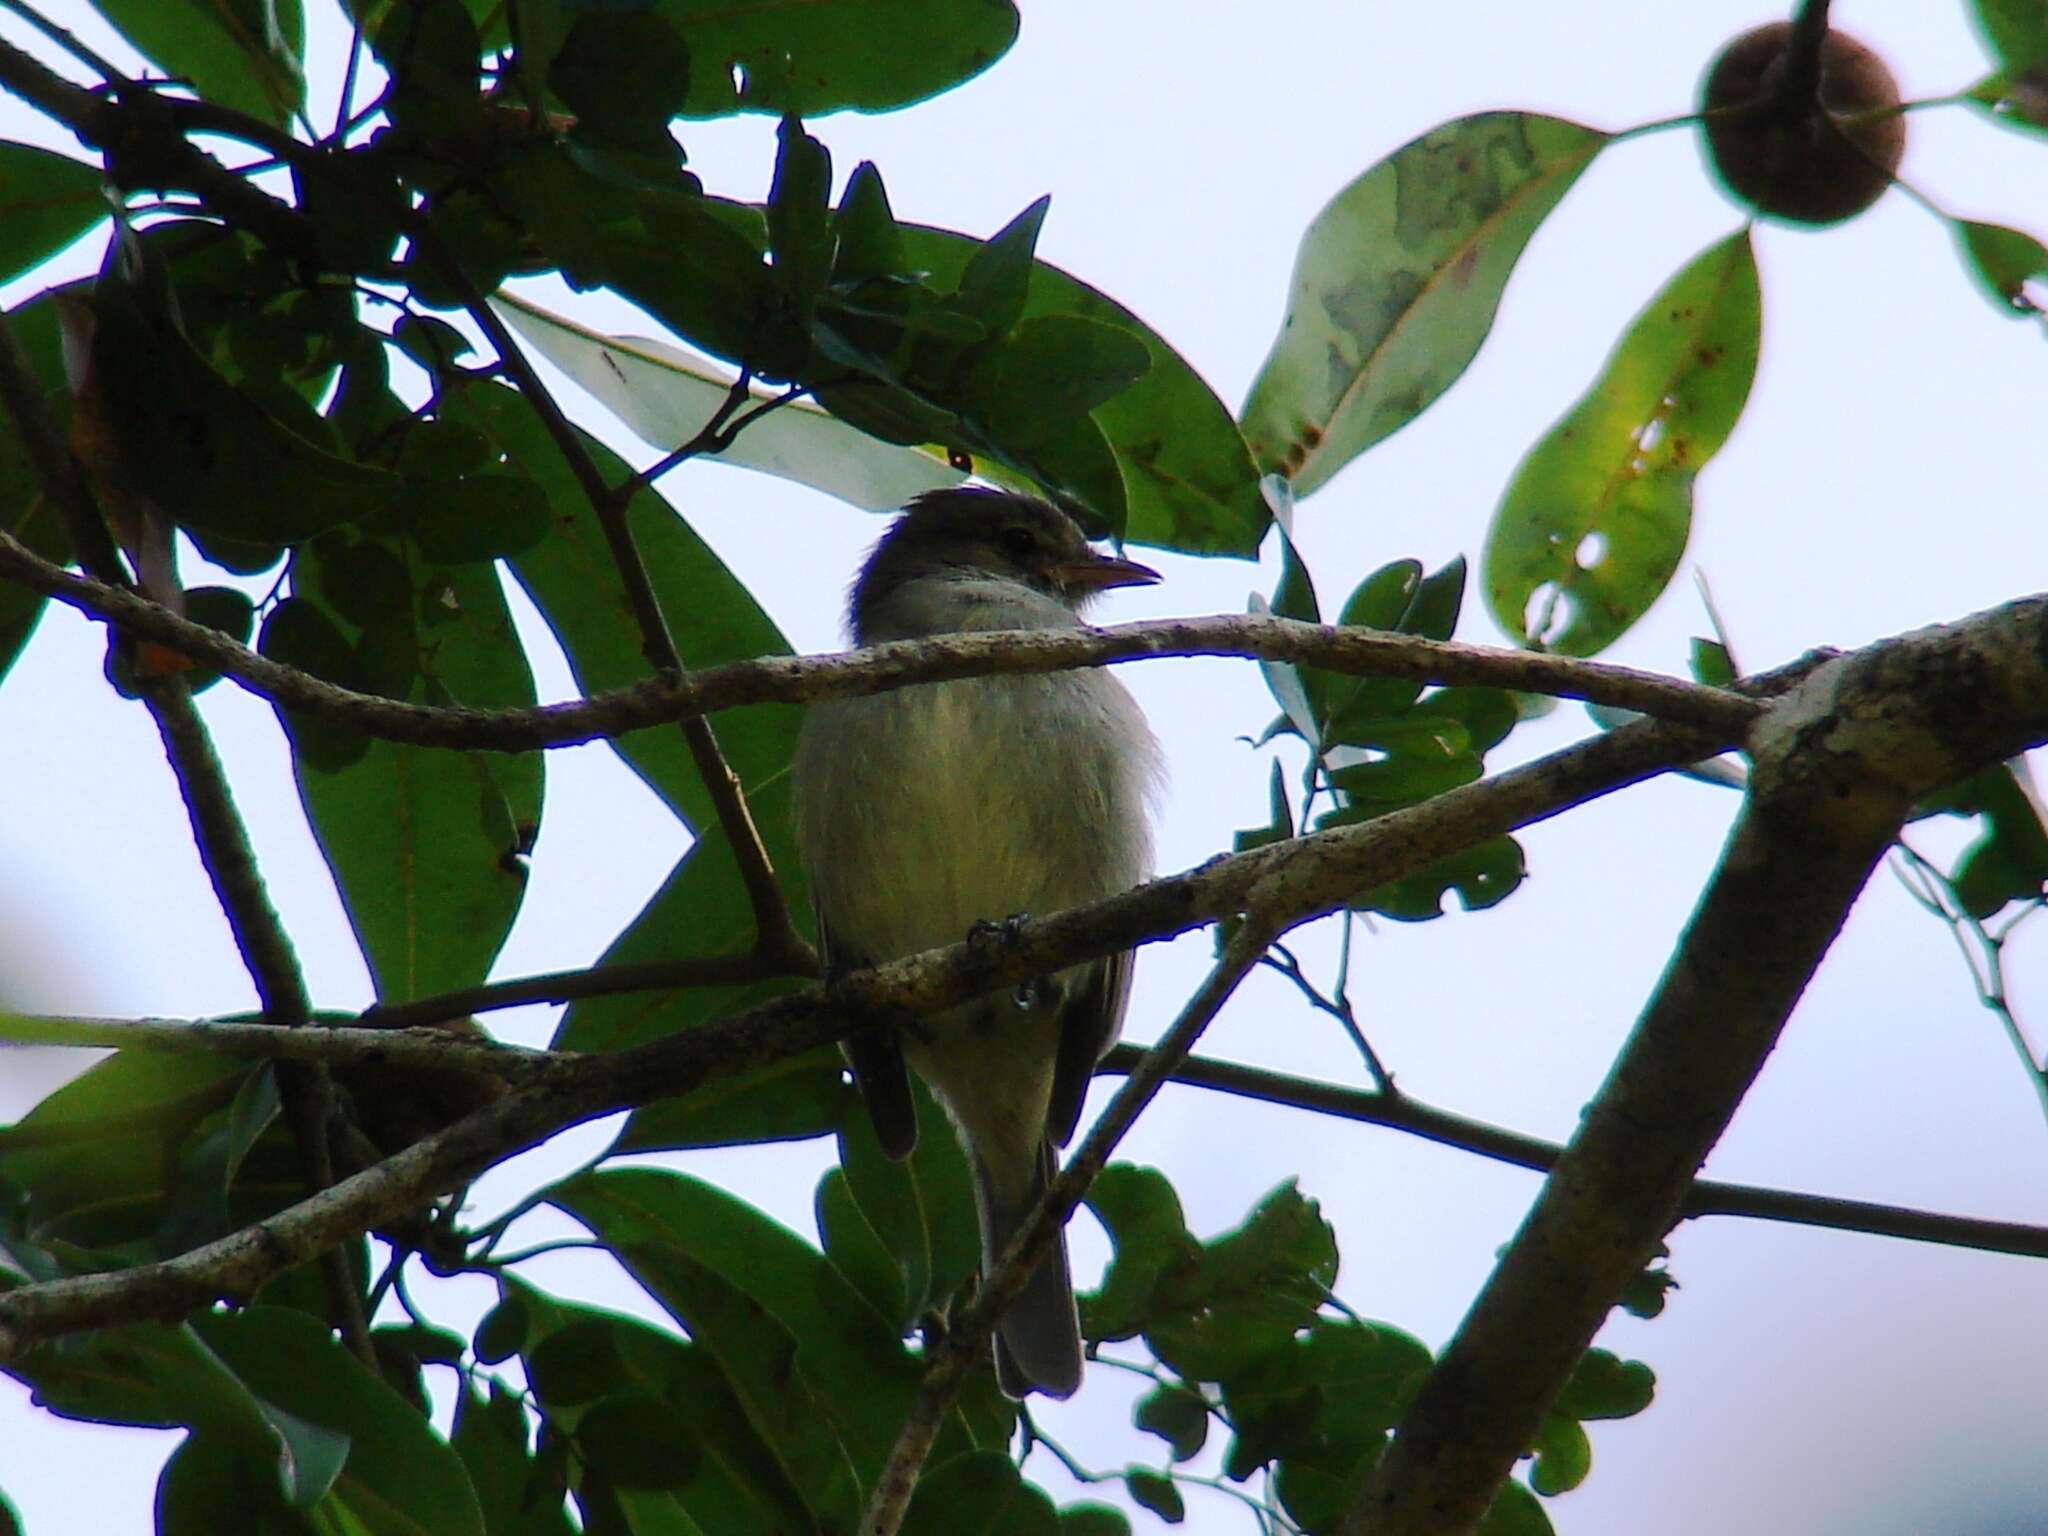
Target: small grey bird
(924, 812)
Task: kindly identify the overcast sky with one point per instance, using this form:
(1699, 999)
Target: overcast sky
(1885, 475)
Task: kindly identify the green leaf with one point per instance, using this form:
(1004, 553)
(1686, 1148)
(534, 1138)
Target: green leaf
(997, 278)
(674, 254)
(430, 48)
(512, 1490)
(570, 575)
(2008, 860)
(576, 1364)
(1090, 1519)
(981, 1492)
(1396, 285)
(1598, 513)
(921, 1206)
(243, 54)
(503, 1331)
(1280, 817)
(425, 844)
(2016, 30)
(712, 617)
(1053, 369)
(701, 909)
(1187, 477)
(855, 1249)
(207, 452)
(1711, 664)
(799, 215)
(624, 73)
(1604, 1386)
(1515, 1512)
(95, 1160)
(224, 609)
(47, 200)
(399, 1476)
(1563, 1456)
(1178, 1416)
(798, 1343)
(1252, 1289)
(628, 1439)
(1142, 1215)
(868, 243)
(862, 55)
(1318, 1410)
(1482, 875)
(665, 397)
(2004, 261)
(736, 1484)
(1156, 1493)
(788, 1100)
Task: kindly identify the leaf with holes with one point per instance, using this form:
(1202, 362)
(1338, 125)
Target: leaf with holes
(1397, 282)
(1597, 515)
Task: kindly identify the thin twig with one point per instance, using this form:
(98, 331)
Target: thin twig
(67, 41)
(1705, 1197)
(1985, 961)
(598, 981)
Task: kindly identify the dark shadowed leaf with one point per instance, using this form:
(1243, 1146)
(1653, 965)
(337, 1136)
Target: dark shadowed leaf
(1156, 1493)
(797, 1341)
(788, 1100)
(856, 1251)
(1396, 285)
(425, 844)
(921, 1206)
(1178, 1415)
(1187, 476)
(243, 54)
(47, 200)
(512, 1490)
(1598, 513)
(399, 1476)
(865, 55)
(982, 1492)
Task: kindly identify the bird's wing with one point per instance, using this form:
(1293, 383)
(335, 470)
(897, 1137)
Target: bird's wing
(1088, 1027)
(875, 1052)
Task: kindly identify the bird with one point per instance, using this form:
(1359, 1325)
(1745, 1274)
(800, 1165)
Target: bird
(926, 813)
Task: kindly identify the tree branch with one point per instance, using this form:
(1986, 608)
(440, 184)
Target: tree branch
(1704, 1197)
(806, 679)
(1836, 767)
(563, 1093)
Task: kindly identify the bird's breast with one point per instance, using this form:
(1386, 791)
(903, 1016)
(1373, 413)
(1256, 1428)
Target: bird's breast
(929, 809)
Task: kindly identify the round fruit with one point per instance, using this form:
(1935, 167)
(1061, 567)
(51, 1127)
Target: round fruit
(1809, 153)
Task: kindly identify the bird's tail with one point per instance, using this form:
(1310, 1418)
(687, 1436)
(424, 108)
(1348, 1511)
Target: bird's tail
(1038, 1341)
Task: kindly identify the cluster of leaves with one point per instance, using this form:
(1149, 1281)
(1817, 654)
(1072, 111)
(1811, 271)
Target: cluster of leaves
(1248, 1336)
(1378, 744)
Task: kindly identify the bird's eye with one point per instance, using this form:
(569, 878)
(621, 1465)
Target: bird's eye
(1018, 542)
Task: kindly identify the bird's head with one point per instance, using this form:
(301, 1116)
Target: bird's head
(986, 533)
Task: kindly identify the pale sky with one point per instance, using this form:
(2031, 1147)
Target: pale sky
(1884, 476)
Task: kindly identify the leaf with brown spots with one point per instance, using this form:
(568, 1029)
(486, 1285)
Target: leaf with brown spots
(1597, 515)
(1396, 285)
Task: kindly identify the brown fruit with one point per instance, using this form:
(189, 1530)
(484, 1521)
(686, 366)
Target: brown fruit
(1804, 155)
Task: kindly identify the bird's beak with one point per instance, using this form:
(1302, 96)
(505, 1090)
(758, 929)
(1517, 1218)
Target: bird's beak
(1100, 572)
